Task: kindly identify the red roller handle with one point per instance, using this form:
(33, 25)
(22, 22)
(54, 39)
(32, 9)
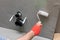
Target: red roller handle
(37, 28)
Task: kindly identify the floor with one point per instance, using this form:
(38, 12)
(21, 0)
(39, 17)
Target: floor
(56, 36)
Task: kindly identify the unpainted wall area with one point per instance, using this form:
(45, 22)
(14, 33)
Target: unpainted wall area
(58, 25)
(29, 8)
(57, 4)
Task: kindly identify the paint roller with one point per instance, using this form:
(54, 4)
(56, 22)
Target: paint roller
(38, 26)
(42, 13)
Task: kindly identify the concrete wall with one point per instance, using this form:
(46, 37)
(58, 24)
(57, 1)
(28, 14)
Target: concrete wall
(29, 9)
(58, 25)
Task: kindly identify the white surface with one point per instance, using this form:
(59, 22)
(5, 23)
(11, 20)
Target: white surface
(13, 35)
(40, 38)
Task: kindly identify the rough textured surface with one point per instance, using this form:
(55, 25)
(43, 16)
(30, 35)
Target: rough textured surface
(29, 9)
(58, 25)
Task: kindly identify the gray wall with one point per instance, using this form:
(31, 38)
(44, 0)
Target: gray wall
(58, 25)
(29, 9)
